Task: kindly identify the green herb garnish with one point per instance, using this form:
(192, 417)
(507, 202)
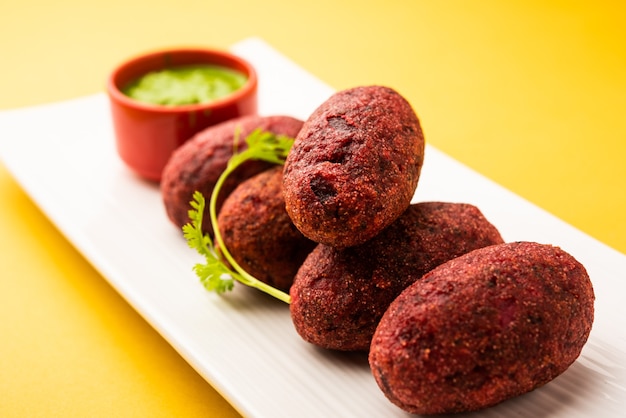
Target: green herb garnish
(215, 274)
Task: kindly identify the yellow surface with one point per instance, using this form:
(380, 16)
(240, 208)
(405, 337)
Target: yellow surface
(530, 93)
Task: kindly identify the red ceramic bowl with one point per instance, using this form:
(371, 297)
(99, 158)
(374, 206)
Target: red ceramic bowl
(147, 134)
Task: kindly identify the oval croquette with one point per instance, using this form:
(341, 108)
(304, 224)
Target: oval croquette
(198, 163)
(339, 295)
(354, 166)
(259, 234)
(487, 326)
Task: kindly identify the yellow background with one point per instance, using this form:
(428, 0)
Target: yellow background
(530, 93)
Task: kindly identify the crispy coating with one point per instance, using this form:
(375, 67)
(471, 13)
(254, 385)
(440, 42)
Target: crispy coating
(487, 326)
(258, 232)
(354, 166)
(198, 163)
(339, 295)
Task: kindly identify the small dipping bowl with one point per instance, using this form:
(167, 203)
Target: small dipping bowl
(147, 134)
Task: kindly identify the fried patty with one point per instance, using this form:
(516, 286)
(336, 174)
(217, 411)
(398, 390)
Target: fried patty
(354, 166)
(258, 232)
(484, 327)
(198, 163)
(339, 295)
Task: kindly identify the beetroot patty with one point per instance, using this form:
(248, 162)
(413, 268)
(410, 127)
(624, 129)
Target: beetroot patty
(339, 295)
(258, 232)
(354, 166)
(199, 162)
(487, 326)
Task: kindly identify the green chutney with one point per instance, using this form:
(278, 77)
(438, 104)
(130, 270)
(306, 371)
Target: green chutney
(185, 85)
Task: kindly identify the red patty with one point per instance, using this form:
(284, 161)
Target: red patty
(199, 162)
(354, 166)
(258, 232)
(339, 295)
(492, 324)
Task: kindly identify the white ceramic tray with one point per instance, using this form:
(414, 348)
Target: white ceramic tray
(243, 343)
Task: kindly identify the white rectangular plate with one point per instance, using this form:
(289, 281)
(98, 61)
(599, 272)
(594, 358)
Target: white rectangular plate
(243, 343)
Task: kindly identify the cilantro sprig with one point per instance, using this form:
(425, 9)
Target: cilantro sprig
(215, 274)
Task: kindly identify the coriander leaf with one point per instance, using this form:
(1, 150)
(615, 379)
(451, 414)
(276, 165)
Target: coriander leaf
(192, 232)
(215, 275)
